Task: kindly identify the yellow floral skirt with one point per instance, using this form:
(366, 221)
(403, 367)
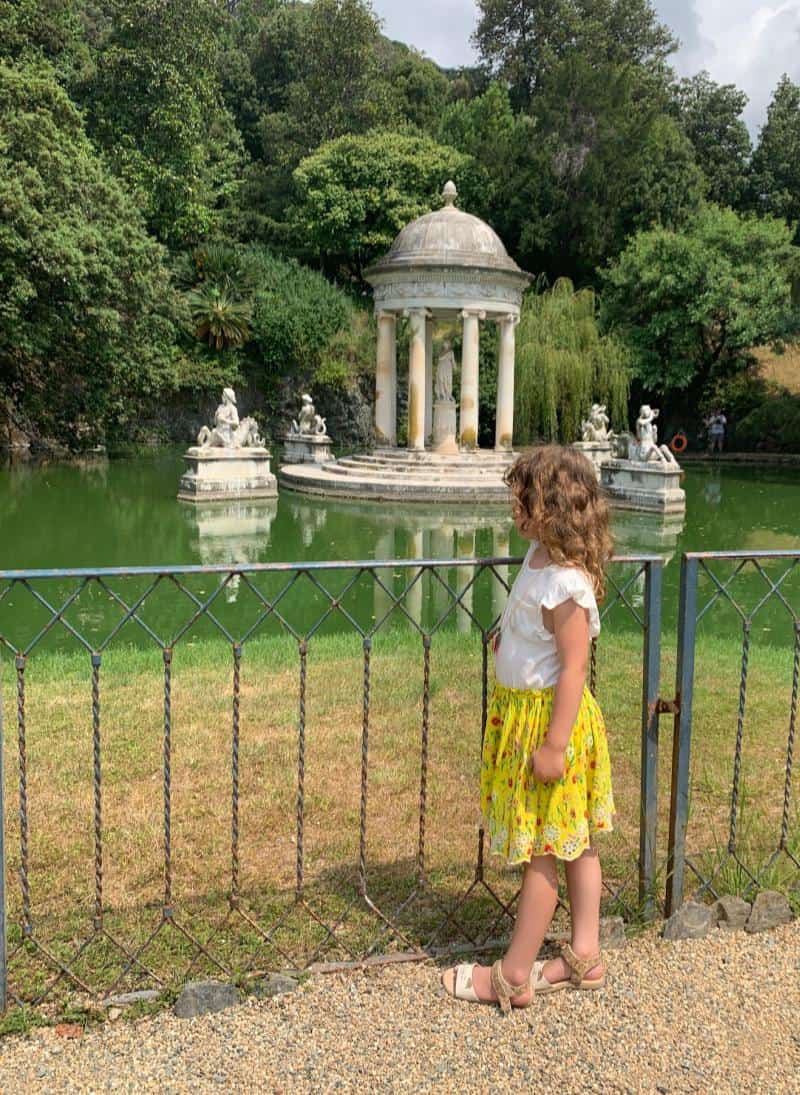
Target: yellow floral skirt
(524, 817)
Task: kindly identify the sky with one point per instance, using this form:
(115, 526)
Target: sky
(743, 42)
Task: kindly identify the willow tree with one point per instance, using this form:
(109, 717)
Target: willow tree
(564, 365)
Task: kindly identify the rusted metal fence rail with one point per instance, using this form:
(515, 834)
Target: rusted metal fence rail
(85, 615)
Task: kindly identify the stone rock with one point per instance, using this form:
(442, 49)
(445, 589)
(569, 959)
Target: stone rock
(612, 932)
(274, 984)
(730, 913)
(691, 921)
(770, 909)
(204, 997)
(126, 999)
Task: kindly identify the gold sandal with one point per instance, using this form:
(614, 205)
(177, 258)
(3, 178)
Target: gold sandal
(463, 988)
(506, 992)
(579, 967)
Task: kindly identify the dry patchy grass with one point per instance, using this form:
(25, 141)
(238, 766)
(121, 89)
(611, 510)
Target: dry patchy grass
(61, 796)
(782, 369)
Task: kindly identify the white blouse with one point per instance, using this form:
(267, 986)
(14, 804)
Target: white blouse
(527, 656)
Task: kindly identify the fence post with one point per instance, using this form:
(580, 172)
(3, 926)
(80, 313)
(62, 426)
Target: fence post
(682, 734)
(648, 817)
(3, 925)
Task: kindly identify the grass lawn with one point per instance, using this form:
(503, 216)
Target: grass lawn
(271, 929)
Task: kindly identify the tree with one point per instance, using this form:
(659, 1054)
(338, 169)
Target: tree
(88, 315)
(504, 144)
(522, 41)
(340, 89)
(354, 194)
(318, 75)
(564, 364)
(418, 89)
(775, 183)
(153, 104)
(690, 305)
(606, 162)
(710, 115)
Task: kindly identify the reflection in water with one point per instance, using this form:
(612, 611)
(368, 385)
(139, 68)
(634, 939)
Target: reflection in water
(643, 534)
(415, 532)
(712, 489)
(232, 532)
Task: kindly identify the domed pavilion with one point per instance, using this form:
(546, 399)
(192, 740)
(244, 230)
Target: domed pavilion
(444, 266)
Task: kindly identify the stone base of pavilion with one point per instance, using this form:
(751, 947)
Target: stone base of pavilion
(403, 475)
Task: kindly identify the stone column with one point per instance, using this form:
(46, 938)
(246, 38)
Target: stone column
(504, 429)
(416, 379)
(468, 426)
(428, 379)
(386, 381)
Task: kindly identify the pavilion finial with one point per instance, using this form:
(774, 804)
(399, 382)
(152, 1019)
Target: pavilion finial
(449, 193)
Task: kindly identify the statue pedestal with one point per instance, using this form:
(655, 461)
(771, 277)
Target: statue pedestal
(307, 448)
(653, 487)
(216, 474)
(598, 452)
(444, 427)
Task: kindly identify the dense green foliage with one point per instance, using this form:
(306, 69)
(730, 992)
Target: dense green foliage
(772, 427)
(775, 182)
(355, 193)
(248, 136)
(564, 364)
(88, 318)
(690, 305)
(710, 114)
(525, 41)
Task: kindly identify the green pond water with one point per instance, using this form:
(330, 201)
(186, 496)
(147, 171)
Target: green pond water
(123, 513)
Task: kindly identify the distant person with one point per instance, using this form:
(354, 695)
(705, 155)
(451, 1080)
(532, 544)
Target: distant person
(545, 781)
(716, 426)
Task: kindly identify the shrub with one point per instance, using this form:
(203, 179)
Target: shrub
(772, 427)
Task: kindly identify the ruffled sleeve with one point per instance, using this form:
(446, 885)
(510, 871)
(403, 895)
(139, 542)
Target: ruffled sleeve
(572, 584)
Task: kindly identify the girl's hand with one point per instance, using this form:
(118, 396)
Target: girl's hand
(549, 763)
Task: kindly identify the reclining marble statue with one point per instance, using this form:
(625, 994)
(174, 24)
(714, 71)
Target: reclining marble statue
(230, 459)
(228, 432)
(647, 447)
(643, 475)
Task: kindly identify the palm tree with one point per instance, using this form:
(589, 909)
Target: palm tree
(219, 318)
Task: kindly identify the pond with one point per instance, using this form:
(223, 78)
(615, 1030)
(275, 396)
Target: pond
(105, 513)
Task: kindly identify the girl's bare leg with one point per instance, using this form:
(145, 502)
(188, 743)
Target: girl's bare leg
(584, 886)
(535, 909)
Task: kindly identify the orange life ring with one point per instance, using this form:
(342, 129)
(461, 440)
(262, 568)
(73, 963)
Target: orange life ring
(679, 442)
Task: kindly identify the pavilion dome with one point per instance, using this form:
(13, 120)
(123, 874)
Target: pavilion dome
(447, 261)
(448, 237)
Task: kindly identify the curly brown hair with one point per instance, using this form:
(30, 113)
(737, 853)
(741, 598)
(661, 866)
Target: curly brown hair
(556, 488)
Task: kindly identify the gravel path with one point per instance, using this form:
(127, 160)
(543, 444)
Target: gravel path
(717, 1015)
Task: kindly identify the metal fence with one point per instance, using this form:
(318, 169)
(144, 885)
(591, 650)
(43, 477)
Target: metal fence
(734, 814)
(78, 724)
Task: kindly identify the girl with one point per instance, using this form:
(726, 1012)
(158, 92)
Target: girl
(545, 773)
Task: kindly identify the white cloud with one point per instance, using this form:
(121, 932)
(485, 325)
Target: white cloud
(745, 42)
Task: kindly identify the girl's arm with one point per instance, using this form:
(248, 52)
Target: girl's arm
(570, 625)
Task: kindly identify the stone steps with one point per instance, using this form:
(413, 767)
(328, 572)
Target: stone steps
(344, 467)
(380, 484)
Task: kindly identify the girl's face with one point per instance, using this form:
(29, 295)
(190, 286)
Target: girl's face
(522, 521)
